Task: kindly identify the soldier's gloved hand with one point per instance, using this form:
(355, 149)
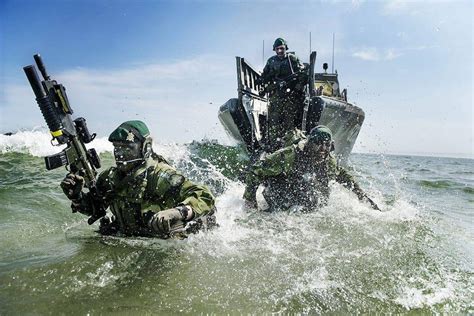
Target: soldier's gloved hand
(72, 186)
(164, 221)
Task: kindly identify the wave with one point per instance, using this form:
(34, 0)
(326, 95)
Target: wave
(447, 185)
(381, 261)
(38, 143)
(468, 190)
(438, 184)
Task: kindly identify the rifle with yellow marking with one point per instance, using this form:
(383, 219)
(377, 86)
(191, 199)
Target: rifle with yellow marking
(54, 105)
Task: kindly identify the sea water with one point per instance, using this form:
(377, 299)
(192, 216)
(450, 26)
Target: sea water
(415, 256)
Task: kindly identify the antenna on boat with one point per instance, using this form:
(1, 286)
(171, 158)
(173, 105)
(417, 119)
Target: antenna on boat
(310, 42)
(263, 53)
(333, 36)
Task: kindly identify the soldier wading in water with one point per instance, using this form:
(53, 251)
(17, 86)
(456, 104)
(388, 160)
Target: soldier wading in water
(146, 196)
(299, 174)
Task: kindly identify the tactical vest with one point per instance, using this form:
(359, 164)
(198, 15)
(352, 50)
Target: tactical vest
(151, 187)
(280, 69)
(306, 186)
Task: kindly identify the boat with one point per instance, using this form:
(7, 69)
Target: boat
(245, 117)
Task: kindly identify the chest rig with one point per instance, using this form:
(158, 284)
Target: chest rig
(150, 188)
(282, 68)
(126, 198)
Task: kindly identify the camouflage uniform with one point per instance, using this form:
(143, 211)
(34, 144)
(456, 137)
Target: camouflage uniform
(137, 196)
(290, 179)
(153, 187)
(284, 82)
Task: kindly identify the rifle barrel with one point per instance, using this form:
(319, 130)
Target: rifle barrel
(41, 66)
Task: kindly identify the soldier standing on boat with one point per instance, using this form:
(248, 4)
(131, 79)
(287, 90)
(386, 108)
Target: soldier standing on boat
(299, 174)
(284, 79)
(146, 195)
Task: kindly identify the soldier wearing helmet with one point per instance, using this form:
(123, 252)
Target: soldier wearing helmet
(299, 174)
(146, 196)
(283, 79)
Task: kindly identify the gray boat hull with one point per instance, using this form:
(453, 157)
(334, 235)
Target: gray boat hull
(245, 118)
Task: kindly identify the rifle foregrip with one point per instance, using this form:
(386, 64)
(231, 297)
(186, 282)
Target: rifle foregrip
(49, 113)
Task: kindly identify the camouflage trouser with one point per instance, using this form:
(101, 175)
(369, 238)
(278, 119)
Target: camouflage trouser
(284, 114)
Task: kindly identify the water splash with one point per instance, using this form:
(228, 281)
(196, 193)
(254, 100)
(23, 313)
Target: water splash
(342, 258)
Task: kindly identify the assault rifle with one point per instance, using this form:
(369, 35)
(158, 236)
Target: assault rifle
(54, 105)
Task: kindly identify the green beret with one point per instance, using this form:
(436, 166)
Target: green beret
(280, 41)
(130, 131)
(320, 134)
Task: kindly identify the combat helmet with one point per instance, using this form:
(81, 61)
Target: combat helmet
(320, 134)
(280, 41)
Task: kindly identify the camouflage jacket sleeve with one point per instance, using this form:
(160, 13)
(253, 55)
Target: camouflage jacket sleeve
(346, 179)
(280, 162)
(169, 186)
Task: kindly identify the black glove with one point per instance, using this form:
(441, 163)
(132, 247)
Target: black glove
(166, 221)
(108, 226)
(72, 186)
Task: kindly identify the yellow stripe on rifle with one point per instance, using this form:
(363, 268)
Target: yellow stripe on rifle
(57, 133)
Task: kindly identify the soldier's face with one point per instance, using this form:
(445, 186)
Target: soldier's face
(280, 50)
(127, 154)
(319, 150)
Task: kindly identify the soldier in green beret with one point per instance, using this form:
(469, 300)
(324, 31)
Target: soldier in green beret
(284, 79)
(147, 197)
(299, 174)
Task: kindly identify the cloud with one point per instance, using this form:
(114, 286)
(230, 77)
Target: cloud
(395, 6)
(403, 7)
(392, 54)
(369, 53)
(355, 4)
(178, 99)
(374, 54)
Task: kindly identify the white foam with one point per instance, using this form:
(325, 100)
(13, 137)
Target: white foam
(351, 208)
(431, 294)
(38, 143)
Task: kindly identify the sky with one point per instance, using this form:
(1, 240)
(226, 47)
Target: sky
(407, 64)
